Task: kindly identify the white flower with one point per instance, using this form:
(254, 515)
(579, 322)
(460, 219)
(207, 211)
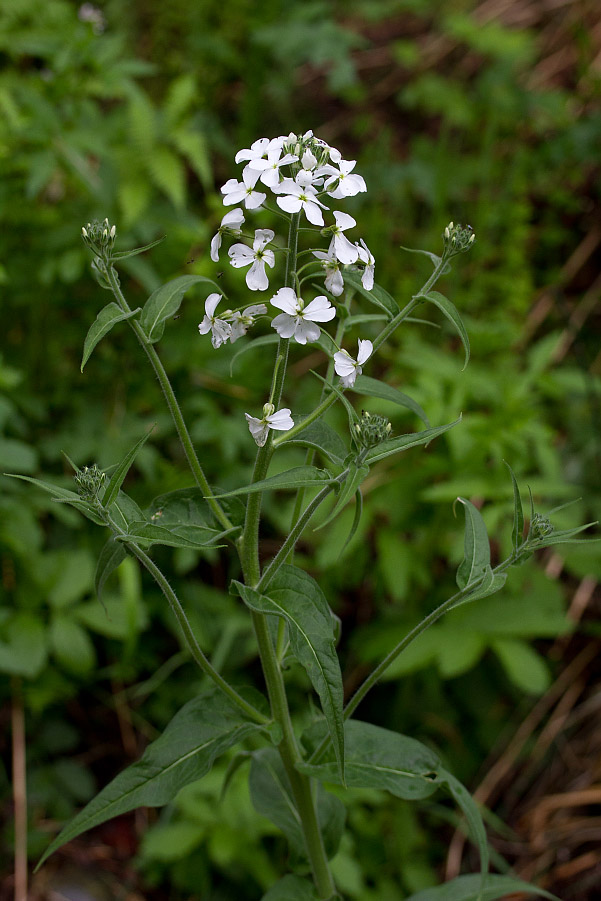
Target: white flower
(367, 276)
(341, 183)
(269, 168)
(241, 255)
(238, 191)
(219, 328)
(230, 222)
(257, 150)
(241, 322)
(347, 368)
(295, 197)
(340, 246)
(259, 428)
(298, 321)
(334, 281)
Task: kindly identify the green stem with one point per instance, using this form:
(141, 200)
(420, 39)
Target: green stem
(414, 302)
(176, 413)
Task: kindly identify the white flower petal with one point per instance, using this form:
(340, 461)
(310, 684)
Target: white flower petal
(319, 310)
(281, 420)
(284, 325)
(256, 278)
(211, 303)
(240, 255)
(306, 332)
(285, 299)
(343, 220)
(366, 349)
(233, 219)
(258, 429)
(344, 364)
(215, 247)
(289, 203)
(313, 213)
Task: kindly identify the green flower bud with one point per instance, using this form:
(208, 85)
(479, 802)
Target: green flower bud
(541, 526)
(457, 239)
(89, 480)
(372, 430)
(99, 237)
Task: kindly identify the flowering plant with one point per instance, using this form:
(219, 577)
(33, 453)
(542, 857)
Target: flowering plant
(303, 178)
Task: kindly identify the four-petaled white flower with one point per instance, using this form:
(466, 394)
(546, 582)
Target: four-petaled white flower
(219, 328)
(256, 151)
(259, 428)
(242, 321)
(241, 255)
(367, 276)
(298, 321)
(294, 197)
(342, 183)
(230, 222)
(269, 168)
(237, 191)
(334, 280)
(340, 246)
(347, 368)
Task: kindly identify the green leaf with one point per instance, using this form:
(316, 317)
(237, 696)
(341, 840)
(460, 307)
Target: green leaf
(449, 309)
(17, 455)
(376, 758)
(122, 255)
(434, 259)
(272, 797)
(518, 513)
(125, 511)
(374, 388)
(296, 597)
(298, 477)
(377, 295)
(188, 506)
(469, 888)
(147, 534)
(350, 486)
(118, 477)
(111, 556)
(204, 728)
(291, 888)
(490, 584)
(165, 302)
(404, 442)
(320, 436)
(356, 520)
(524, 667)
(476, 546)
(71, 646)
(563, 536)
(24, 650)
(62, 495)
(106, 319)
(472, 814)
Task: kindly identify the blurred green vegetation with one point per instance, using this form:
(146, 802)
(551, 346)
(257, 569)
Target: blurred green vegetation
(134, 111)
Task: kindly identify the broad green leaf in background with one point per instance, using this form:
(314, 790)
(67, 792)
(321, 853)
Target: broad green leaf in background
(104, 322)
(469, 888)
(378, 295)
(272, 797)
(125, 511)
(71, 645)
(111, 556)
(374, 388)
(23, 645)
(298, 477)
(404, 442)
(118, 477)
(291, 888)
(296, 596)
(321, 437)
(450, 311)
(261, 341)
(204, 728)
(523, 665)
(476, 558)
(166, 301)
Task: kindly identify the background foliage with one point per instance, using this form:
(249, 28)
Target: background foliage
(470, 111)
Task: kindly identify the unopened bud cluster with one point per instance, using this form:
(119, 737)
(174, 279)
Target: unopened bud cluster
(372, 429)
(89, 480)
(457, 239)
(541, 526)
(99, 237)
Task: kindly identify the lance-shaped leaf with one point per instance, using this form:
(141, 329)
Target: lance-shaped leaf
(62, 496)
(112, 554)
(476, 546)
(490, 584)
(469, 888)
(404, 442)
(377, 295)
(298, 477)
(518, 513)
(118, 477)
(165, 302)
(374, 388)
(472, 814)
(349, 487)
(106, 319)
(204, 728)
(272, 797)
(123, 254)
(320, 436)
(125, 511)
(450, 311)
(376, 758)
(291, 888)
(188, 506)
(434, 259)
(297, 597)
(147, 533)
(563, 536)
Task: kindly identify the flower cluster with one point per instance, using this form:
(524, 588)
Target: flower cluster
(231, 325)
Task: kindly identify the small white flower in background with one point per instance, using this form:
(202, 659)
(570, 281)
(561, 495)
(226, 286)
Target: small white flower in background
(219, 328)
(347, 368)
(367, 276)
(341, 182)
(340, 246)
(334, 280)
(294, 197)
(237, 191)
(231, 222)
(241, 255)
(259, 428)
(241, 322)
(298, 321)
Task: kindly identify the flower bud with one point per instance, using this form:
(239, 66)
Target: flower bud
(268, 409)
(541, 526)
(99, 237)
(457, 239)
(372, 429)
(89, 481)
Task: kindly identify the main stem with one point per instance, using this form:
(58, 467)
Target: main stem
(174, 408)
(249, 556)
